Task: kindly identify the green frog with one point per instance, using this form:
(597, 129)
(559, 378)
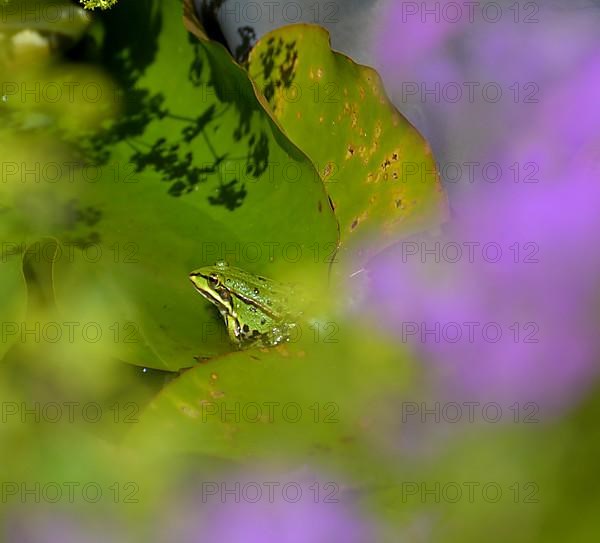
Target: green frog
(256, 310)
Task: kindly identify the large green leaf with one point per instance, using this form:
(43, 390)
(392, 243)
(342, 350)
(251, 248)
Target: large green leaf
(191, 169)
(379, 171)
(323, 397)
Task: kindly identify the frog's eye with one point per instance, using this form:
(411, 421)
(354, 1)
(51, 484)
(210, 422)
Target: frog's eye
(213, 280)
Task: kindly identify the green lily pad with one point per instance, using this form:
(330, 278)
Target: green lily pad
(378, 170)
(321, 398)
(192, 169)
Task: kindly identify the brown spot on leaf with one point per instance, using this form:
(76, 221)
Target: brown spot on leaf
(398, 203)
(283, 351)
(354, 224)
(189, 411)
(377, 130)
(374, 148)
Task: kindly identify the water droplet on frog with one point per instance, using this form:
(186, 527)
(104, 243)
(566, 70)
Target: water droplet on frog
(256, 291)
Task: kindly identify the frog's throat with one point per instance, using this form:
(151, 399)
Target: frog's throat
(233, 326)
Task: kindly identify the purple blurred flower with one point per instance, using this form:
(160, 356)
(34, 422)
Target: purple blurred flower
(527, 61)
(301, 514)
(404, 37)
(554, 221)
(258, 507)
(51, 527)
(546, 274)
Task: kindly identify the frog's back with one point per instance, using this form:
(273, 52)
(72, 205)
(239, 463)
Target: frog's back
(268, 293)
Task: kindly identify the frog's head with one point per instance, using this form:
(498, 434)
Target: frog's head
(210, 282)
